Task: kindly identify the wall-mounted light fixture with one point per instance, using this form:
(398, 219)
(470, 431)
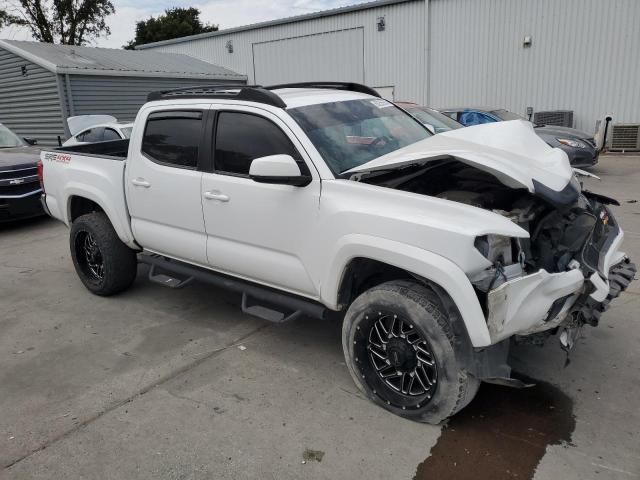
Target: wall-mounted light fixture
(381, 23)
(229, 46)
(526, 41)
(23, 69)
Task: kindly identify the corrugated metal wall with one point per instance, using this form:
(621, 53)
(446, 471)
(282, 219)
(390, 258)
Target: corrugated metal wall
(29, 104)
(585, 56)
(121, 97)
(311, 56)
(395, 57)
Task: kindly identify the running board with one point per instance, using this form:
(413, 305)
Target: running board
(260, 294)
(167, 280)
(266, 313)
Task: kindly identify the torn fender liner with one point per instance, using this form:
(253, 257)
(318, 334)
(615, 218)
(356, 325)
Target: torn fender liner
(523, 304)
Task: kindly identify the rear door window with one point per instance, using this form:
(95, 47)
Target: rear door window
(173, 138)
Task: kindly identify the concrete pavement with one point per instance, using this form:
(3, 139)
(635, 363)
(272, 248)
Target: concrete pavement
(157, 383)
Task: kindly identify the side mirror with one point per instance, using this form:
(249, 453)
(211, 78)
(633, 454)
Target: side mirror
(278, 169)
(431, 128)
(30, 141)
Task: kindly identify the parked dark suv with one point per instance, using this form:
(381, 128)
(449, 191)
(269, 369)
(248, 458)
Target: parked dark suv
(580, 147)
(19, 185)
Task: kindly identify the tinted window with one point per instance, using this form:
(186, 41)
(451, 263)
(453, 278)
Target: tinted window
(242, 137)
(92, 135)
(110, 134)
(173, 137)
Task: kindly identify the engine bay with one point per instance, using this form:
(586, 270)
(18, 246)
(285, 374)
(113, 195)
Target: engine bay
(561, 236)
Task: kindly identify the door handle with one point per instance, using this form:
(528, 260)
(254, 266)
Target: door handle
(140, 182)
(216, 196)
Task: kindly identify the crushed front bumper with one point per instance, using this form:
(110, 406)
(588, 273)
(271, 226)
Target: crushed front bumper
(524, 305)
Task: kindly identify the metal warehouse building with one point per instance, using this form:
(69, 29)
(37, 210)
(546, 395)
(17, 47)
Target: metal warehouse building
(578, 55)
(42, 84)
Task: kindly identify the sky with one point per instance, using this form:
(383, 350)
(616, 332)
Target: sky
(225, 13)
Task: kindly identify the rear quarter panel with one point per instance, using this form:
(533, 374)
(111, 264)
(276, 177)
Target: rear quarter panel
(96, 178)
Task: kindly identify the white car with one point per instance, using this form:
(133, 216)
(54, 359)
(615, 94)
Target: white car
(437, 250)
(96, 128)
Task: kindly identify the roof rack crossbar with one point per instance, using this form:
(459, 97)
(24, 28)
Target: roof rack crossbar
(350, 86)
(250, 93)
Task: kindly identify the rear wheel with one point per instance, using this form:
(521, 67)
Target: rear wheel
(104, 264)
(401, 352)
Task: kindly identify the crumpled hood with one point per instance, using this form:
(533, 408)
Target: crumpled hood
(511, 151)
(18, 157)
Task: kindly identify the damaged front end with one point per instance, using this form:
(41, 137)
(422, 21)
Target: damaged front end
(565, 274)
(562, 277)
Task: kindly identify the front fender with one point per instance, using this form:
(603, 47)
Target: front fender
(420, 262)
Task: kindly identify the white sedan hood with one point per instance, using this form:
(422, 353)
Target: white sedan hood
(511, 151)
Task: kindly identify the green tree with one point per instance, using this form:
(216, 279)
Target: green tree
(175, 23)
(69, 22)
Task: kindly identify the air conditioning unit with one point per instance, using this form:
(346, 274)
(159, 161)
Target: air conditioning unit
(625, 138)
(561, 118)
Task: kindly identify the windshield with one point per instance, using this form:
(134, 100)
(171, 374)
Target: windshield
(441, 123)
(506, 115)
(126, 131)
(9, 139)
(351, 133)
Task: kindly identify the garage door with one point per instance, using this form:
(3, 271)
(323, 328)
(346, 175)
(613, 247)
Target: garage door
(334, 56)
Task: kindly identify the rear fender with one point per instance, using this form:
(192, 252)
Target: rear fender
(422, 263)
(116, 213)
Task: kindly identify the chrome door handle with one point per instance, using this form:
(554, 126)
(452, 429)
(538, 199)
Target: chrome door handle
(216, 196)
(140, 182)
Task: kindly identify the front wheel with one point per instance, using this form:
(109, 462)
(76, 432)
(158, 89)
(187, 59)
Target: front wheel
(104, 264)
(401, 352)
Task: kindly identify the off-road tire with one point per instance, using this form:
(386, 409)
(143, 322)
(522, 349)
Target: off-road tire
(118, 262)
(420, 306)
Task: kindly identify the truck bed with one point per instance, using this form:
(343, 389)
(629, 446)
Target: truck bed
(94, 172)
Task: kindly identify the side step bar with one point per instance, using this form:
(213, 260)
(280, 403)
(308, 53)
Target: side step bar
(291, 303)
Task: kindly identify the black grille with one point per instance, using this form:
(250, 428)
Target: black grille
(19, 181)
(18, 173)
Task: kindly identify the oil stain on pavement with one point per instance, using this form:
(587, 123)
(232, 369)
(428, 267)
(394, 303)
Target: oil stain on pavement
(502, 434)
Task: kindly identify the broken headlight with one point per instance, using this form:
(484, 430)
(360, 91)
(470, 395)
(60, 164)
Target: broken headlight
(498, 249)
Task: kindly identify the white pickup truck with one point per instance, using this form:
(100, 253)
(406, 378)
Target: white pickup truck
(438, 250)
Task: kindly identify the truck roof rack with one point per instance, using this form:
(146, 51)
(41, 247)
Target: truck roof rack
(250, 93)
(352, 87)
